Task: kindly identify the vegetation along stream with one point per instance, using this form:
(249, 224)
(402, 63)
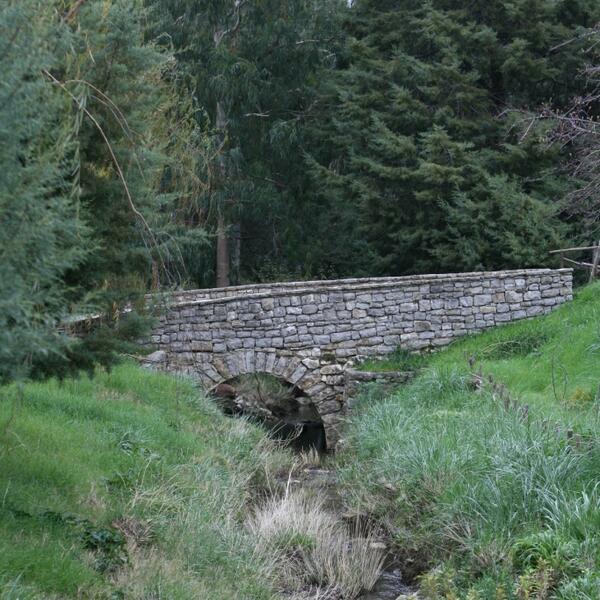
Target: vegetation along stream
(325, 551)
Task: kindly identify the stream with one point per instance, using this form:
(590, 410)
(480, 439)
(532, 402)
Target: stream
(290, 416)
(390, 585)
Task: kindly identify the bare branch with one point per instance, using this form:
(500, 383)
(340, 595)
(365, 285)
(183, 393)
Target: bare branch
(120, 173)
(237, 15)
(73, 10)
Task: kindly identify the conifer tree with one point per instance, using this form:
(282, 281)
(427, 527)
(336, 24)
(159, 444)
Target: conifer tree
(41, 235)
(251, 65)
(89, 163)
(424, 153)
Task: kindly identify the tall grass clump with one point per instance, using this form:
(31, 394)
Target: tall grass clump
(311, 546)
(478, 497)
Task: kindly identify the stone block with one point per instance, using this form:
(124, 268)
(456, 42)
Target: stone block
(333, 369)
(310, 309)
(310, 363)
(532, 295)
(422, 326)
(341, 337)
(482, 299)
(409, 307)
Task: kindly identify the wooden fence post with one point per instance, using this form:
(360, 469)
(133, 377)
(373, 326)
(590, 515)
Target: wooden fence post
(595, 261)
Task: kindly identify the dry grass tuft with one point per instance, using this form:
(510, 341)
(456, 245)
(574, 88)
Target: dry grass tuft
(313, 546)
(309, 458)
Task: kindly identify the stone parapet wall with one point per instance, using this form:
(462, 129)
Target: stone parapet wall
(310, 332)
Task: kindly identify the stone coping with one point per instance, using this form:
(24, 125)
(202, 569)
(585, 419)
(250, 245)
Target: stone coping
(236, 293)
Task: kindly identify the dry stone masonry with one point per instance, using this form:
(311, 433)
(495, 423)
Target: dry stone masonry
(310, 333)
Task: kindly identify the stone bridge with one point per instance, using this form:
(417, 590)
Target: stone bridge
(309, 333)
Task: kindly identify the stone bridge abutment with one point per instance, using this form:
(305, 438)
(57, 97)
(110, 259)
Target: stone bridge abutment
(309, 333)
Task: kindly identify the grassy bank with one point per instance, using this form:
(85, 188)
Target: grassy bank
(491, 490)
(130, 485)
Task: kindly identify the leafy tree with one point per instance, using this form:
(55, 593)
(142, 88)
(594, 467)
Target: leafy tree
(421, 151)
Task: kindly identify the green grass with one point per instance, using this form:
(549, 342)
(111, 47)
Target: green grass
(400, 360)
(485, 502)
(130, 485)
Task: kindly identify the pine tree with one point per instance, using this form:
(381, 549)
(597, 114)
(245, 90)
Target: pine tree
(423, 145)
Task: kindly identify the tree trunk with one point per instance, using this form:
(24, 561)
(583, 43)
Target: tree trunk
(222, 254)
(236, 252)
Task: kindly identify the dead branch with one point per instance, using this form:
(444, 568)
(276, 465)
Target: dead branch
(73, 10)
(236, 13)
(115, 161)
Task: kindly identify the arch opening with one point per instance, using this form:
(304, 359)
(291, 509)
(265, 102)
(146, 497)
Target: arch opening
(282, 408)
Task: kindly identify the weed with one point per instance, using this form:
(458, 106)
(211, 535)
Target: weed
(399, 360)
(581, 398)
(108, 546)
(546, 550)
(314, 547)
(528, 342)
(585, 587)
(537, 583)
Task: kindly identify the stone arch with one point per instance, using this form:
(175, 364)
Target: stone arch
(296, 370)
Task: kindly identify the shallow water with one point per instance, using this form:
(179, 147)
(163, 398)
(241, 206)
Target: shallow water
(390, 587)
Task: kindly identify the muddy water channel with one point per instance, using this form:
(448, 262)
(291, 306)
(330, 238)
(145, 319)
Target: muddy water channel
(312, 490)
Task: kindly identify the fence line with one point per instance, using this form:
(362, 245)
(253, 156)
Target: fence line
(593, 266)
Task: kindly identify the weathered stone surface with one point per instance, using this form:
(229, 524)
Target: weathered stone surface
(311, 333)
(157, 357)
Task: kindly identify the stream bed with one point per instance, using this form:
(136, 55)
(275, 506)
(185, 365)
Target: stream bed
(291, 417)
(390, 585)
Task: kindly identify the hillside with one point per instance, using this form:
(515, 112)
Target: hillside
(132, 485)
(487, 472)
(129, 485)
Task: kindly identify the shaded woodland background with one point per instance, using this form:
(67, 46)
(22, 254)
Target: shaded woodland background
(174, 143)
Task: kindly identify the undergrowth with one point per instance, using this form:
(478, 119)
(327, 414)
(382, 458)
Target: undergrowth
(488, 500)
(399, 360)
(129, 485)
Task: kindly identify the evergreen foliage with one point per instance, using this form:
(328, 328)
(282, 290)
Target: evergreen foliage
(425, 148)
(132, 139)
(153, 143)
(253, 73)
(94, 143)
(41, 235)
